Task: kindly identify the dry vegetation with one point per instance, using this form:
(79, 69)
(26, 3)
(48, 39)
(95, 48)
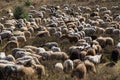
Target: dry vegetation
(103, 72)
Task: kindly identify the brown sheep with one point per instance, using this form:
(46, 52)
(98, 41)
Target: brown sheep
(40, 70)
(91, 51)
(76, 62)
(59, 56)
(82, 55)
(102, 41)
(27, 34)
(109, 41)
(90, 66)
(79, 73)
(72, 39)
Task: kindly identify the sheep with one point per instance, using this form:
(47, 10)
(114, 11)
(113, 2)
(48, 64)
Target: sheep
(58, 34)
(74, 54)
(94, 14)
(90, 66)
(118, 45)
(21, 39)
(2, 55)
(14, 50)
(115, 54)
(89, 31)
(59, 56)
(10, 58)
(19, 54)
(58, 67)
(5, 35)
(96, 59)
(27, 61)
(6, 62)
(46, 55)
(68, 66)
(10, 45)
(39, 69)
(88, 39)
(91, 51)
(54, 49)
(51, 44)
(18, 33)
(43, 34)
(1, 27)
(109, 30)
(82, 55)
(27, 34)
(116, 32)
(102, 41)
(13, 38)
(72, 39)
(79, 72)
(19, 71)
(109, 41)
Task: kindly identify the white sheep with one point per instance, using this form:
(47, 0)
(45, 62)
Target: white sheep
(58, 67)
(95, 59)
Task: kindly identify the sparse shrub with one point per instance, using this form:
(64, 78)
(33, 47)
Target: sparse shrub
(27, 2)
(19, 12)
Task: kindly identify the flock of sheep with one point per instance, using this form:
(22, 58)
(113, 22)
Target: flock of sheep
(83, 26)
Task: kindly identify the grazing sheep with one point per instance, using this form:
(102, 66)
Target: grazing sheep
(102, 41)
(5, 35)
(10, 45)
(68, 65)
(90, 66)
(40, 70)
(58, 67)
(54, 49)
(91, 51)
(27, 34)
(116, 31)
(59, 56)
(72, 39)
(51, 44)
(109, 41)
(79, 72)
(115, 54)
(10, 58)
(82, 55)
(21, 39)
(95, 59)
(43, 34)
(74, 54)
